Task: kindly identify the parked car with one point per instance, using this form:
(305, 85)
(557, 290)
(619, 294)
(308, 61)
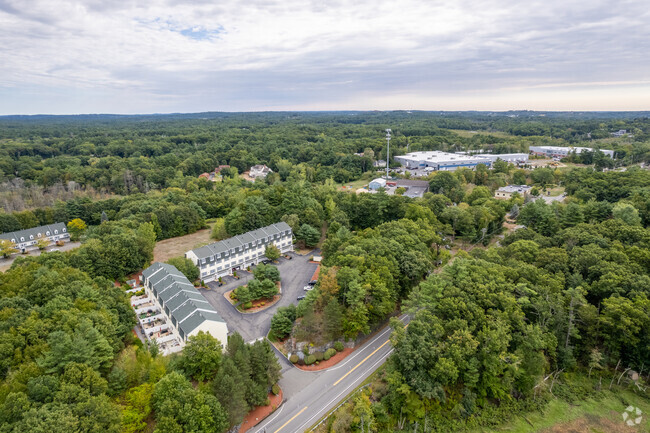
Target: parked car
(266, 261)
(54, 249)
(308, 288)
(312, 282)
(300, 298)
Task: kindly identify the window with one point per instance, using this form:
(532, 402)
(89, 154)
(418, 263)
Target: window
(31, 236)
(64, 230)
(40, 235)
(22, 239)
(13, 241)
(56, 232)
(47, 233)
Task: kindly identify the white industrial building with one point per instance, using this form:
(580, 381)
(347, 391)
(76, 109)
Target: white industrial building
(445, 161)
(561, 152)
(380, 182)
(224, 257)
(171, 310)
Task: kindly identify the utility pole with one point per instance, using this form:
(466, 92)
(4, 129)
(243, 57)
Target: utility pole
(388, 131)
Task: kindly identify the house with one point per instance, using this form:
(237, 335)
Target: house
(259, 171)
(379, 164)
(226, 256)
(172, 310)
(206, 176)
(23, 239)
(506, 192)
(377, 183)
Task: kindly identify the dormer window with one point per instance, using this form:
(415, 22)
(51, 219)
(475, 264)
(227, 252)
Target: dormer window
(13, 241)
(31, 237)
(40, 235)
(56, 232)
(22, 239)
(47, 233)
(64, 230)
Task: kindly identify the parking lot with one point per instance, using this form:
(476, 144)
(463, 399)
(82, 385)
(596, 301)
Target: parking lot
(294, 275)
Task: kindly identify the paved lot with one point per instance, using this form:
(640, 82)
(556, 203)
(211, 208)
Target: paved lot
(6, 263)
(294, 274)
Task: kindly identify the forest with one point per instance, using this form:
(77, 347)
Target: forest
(495, 310)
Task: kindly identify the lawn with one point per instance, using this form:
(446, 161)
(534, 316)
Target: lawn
(178, 246)
(587, 416)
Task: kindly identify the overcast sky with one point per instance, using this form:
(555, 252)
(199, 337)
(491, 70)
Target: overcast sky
(158, 56)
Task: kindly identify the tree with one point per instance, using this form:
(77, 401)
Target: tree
(309, 235)
(42, 243)
(76, 227)
(7, 248)
(186, 266)
(626, 212)
(201, 356)
(333, 320)
(219, 231)
(266, 272)
(272, 252)
(281, 324)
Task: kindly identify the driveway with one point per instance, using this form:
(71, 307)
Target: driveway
(294, 275)
(6, 263)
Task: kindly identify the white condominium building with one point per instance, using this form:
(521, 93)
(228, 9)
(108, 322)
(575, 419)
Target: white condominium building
(223, 257)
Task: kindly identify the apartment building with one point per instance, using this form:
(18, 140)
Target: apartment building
(24, 239)
(171, 310)
(224, 257)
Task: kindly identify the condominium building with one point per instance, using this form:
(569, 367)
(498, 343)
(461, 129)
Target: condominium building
(223, 257)
(24, 239)
(171, 310)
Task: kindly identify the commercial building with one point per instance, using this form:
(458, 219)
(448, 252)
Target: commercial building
(505, 192)
(23, 239)
(223, 257)
(171, 310)
(377, 183)
(445, 161)
(561, 152)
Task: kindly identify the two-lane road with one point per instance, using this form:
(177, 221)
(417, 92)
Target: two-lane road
(310, 395)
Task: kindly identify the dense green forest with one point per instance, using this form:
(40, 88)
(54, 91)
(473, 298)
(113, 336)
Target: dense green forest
(567, 293)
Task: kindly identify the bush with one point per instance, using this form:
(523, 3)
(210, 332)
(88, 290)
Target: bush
(233, 295)
(247, 305)
(305, 350)
(293, 359)
(329, 353)
(309, 360)
(338, 346)
(326, 356)
(318, 356)
(275, 389)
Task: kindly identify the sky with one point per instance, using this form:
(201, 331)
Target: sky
(162, 56)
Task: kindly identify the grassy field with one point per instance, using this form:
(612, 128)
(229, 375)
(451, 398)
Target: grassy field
(178, 246)
(352, 186)
(587, 416)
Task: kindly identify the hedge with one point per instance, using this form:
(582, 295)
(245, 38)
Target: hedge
(338, 346)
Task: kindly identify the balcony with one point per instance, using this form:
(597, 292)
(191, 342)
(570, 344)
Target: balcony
(149, 309)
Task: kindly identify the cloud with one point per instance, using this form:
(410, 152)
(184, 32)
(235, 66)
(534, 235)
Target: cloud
(182, 55)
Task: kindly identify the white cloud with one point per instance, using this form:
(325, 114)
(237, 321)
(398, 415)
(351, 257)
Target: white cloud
(165, 55)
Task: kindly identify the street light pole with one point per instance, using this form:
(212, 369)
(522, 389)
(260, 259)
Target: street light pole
(388, 131)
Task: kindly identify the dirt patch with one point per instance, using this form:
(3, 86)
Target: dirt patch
(258, 414)
(322, 365)
(178, 246)
(591, 424)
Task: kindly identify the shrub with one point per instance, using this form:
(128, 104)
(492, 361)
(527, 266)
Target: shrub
(305, 350)
(247, 305)
(329, 353)
(326, 356)
(275, 389)
(318, 356)
(338, 346)
(309, 360)
(262, 303)
(293, 359)
(233, 295)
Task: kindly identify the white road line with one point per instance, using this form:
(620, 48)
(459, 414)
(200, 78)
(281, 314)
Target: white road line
(261, 429)
(335, 399)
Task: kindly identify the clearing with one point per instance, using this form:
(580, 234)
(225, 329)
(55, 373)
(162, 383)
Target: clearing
(178, 246)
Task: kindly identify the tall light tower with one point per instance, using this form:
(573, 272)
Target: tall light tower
(388, 131)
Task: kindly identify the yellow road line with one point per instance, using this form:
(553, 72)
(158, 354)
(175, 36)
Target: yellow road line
(292, 418)
(364, 360)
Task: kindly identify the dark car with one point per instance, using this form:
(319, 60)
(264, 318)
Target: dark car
(300, 298)
(266, 262)
(312, 282)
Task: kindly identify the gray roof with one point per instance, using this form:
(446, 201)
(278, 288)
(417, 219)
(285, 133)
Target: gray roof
(412, 182)
(240, 240)
(34, 232)
(514, 188)
(185, 305)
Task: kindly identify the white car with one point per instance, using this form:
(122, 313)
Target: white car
(54, 249)
(308, 288)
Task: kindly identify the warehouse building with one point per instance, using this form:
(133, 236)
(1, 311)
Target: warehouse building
(224, 257)
(171, 310)
(505, 192)
(561, 152)
(445, 161)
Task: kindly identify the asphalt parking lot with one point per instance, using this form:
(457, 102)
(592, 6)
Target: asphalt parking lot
(294, 275)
